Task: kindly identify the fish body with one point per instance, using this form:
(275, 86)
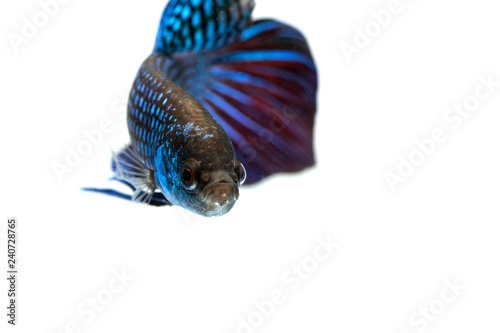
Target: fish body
(221, 99)
(171, 131)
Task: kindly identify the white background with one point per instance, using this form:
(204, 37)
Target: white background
(199, 275)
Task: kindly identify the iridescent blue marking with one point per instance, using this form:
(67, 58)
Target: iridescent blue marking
(186, 12)
(269, 55)
(196, 19)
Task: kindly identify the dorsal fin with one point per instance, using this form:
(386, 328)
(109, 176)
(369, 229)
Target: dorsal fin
(194, 25)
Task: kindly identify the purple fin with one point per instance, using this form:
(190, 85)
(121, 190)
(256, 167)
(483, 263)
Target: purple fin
(262, 90)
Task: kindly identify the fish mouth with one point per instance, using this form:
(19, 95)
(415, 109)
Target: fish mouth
(219, 195)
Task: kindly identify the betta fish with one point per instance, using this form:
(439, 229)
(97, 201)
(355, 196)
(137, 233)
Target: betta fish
(223, 99)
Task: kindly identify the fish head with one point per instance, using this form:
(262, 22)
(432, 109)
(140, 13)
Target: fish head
(219, 190)
(205, 188)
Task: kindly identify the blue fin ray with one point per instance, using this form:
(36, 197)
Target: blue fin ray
(228, 100)
(262, 90)
(157, 198)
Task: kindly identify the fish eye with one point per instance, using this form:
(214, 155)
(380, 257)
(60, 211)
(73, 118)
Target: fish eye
(189, 174)
(241, 173)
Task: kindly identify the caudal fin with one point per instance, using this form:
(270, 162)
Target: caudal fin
(262, 90)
